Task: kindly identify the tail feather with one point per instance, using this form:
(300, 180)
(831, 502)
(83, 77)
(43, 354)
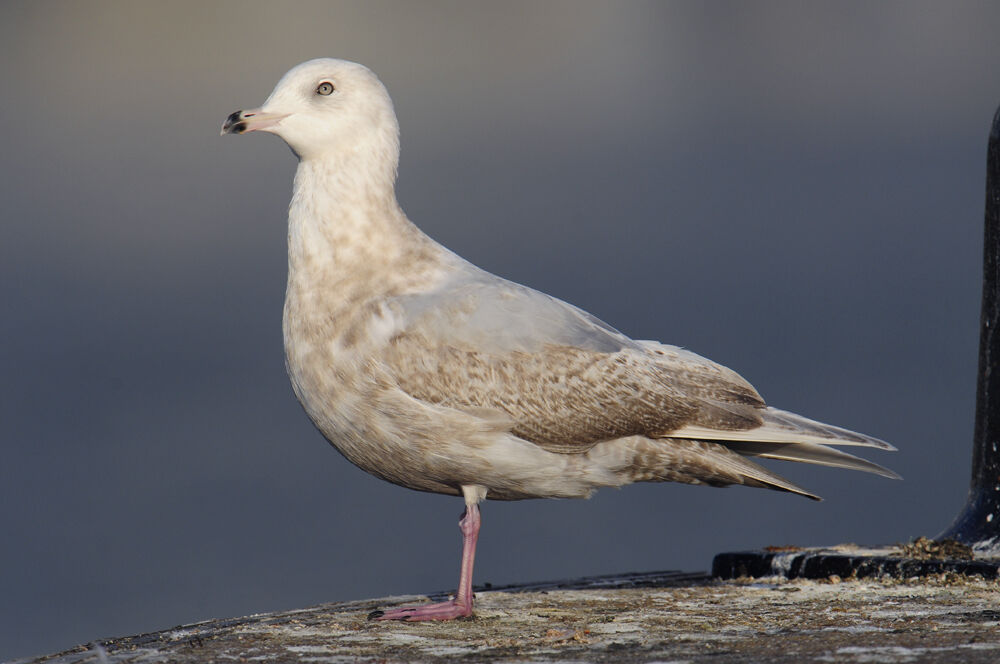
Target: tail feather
(700, 462)
(762, 478)
(790, 437)
(809, 453)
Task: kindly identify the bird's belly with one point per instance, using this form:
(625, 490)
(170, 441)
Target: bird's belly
(386, 432)
(343, 395)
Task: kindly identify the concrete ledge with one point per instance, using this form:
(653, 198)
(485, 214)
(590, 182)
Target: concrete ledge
(679, 618)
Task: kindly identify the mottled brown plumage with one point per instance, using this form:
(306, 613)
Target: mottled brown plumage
(430, 373)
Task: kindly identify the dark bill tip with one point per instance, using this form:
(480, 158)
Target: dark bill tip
(234, 124)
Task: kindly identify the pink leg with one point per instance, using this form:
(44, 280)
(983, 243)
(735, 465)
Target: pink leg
(462, 604)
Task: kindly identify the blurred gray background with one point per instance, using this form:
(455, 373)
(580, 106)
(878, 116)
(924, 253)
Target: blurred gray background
(792, 189)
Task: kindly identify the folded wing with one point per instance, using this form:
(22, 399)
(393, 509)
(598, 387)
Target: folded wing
(566, 381)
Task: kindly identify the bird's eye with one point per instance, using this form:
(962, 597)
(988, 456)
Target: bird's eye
(325, 88)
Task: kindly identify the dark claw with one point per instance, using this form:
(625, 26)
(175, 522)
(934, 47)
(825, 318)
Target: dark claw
(377, 613)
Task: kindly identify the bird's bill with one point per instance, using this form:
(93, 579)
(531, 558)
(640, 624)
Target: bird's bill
(255, 119)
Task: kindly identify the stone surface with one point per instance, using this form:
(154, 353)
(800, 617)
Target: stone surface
(643, 618)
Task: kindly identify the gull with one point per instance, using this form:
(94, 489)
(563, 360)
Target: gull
(429, 372)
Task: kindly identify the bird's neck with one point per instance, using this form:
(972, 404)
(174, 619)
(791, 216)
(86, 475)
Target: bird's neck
(341, 213)
(346, 230)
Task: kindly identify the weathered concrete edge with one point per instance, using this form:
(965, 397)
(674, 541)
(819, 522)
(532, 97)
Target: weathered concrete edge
(648, 617)
(194, 632)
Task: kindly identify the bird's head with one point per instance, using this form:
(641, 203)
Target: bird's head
(323, 107)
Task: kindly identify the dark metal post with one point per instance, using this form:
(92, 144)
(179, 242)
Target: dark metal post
(976, 530)
(978, 525)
